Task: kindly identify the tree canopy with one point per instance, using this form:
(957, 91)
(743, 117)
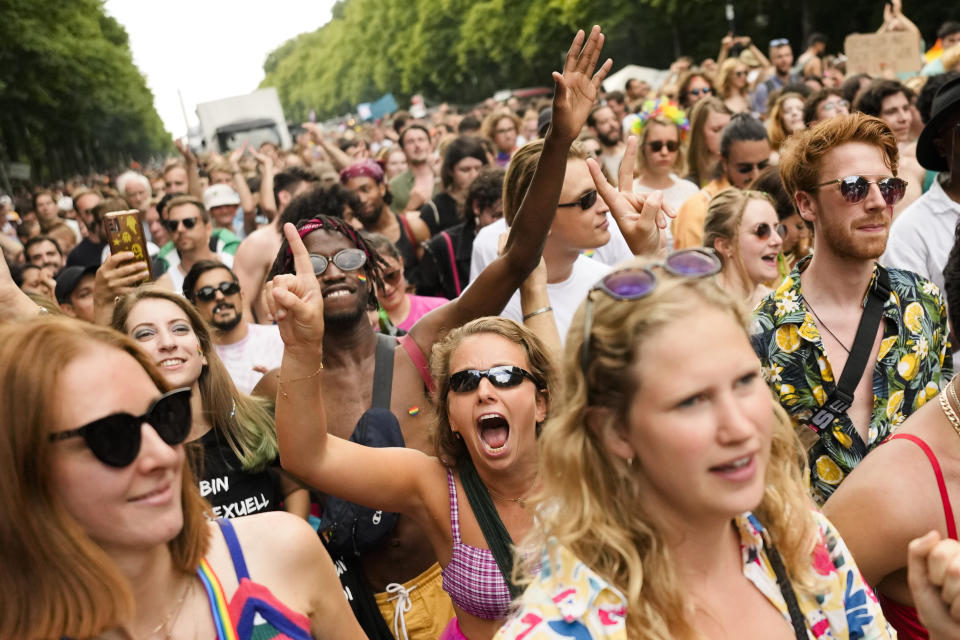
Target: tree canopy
(462, 51)
(71, 98)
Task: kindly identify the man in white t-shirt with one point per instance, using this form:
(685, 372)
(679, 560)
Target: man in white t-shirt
(247, 350)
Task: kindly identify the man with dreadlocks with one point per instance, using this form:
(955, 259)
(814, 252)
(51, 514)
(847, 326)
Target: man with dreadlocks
(340, 362)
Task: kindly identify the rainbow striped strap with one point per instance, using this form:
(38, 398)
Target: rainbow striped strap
(218, 602)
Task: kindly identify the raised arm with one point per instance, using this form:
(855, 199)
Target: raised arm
(193, 170)
(393, 479)
(574, 95)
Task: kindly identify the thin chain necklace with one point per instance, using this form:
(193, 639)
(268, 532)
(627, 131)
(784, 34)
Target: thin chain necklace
(948, 409)
(522, 500)
(824, 325)
(172, 616)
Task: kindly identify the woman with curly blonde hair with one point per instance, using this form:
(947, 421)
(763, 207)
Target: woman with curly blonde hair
(674, 504)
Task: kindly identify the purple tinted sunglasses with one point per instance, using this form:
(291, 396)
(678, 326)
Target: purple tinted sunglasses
(633, 283)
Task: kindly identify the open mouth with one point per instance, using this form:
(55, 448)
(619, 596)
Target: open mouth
(770, 259)
(224, 307)
(171, 362)
(336, 292)
(739, 463)
(494, 432)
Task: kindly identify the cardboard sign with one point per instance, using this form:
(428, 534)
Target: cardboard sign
(877, 53)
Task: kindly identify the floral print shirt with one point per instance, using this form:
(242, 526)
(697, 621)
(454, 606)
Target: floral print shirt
(909, 369)
(569, 600)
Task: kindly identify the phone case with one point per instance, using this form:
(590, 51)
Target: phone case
(124, 232)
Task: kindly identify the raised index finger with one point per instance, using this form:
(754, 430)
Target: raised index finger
(301, 258)
(625, 179)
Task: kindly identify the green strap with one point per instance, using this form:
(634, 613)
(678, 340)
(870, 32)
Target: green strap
(496, 535)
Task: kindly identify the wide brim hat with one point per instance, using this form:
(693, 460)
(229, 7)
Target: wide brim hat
(945, 104)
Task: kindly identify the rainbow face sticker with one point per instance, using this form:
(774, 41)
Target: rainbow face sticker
(413, 411)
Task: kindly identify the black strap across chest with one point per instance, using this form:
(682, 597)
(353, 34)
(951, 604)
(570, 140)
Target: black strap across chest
(383, 372)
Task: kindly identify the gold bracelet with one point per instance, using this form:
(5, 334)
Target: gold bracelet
(280, 382)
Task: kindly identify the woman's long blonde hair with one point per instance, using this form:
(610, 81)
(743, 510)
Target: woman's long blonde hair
(724, 215)
(57, 582)
(700, 162)
(245, 421)
(590, 501)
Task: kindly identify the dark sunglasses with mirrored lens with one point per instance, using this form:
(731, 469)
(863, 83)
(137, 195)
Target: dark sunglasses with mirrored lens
(173, 225)
(704, 90)
(345, 259)
(208, 293)
(634, 283)
(747, 167)
(854, 189)
(115, 439)
(585, 201)
(502, 377)
(765, 229)
(657, 145)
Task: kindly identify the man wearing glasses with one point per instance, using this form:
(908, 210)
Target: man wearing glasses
(744, 153)
(781, 57)
(247, 350)
(849, 348)
(188, 222)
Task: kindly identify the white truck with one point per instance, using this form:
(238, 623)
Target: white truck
(255, 117)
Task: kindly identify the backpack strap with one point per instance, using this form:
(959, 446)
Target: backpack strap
(453, 261)
(383, 371)
(407, 229)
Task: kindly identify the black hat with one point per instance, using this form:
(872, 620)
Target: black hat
(68, 279)
(945, 104)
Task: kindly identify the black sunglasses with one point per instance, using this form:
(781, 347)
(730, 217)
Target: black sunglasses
(634, 283)
(345, 259)
(855, 188)
(173, 225)
(657, 145)
(502, 377)
(747, 167)
(115, 440)
(585, 201)
(764, 229)
(705, 91)
(208, 293)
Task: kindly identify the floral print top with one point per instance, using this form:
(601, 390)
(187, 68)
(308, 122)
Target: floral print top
(909, 369)
(569, 600)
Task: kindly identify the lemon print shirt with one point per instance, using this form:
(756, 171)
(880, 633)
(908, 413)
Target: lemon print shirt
(908, 372)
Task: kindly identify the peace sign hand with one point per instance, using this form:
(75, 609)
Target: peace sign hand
(577, 87)
(642, 217)
(295, 300)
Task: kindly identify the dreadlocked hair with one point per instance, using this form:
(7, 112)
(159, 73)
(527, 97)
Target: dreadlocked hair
(373, 268)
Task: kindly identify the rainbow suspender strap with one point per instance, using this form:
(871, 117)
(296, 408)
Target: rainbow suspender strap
(218, 602)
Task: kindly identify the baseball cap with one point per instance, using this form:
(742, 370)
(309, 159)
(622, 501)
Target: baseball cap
(68, 279)
(218, 195)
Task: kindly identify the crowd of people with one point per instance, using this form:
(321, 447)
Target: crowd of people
(617, 365)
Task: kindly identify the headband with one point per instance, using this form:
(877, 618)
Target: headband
(662, 108)
(368, 168)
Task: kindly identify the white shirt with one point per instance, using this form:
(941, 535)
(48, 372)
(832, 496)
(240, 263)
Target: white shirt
(487, 241)
(261, 348)
(921, 237)
(565, 296)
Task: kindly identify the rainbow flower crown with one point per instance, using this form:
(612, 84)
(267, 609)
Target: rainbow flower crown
(661, 107)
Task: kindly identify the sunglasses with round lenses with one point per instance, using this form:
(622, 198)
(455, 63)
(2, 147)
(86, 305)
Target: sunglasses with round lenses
(502, 377)
(585, 201)
(345, 259)
(854, 189)
(634, 283)
(764, 229)
(392, 278)
(657, 145)
(115, 439)
(208, 293)
(704, 90)
(173, 225)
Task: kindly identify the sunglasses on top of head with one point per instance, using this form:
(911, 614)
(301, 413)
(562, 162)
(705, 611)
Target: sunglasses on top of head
(173, 225)
(502, 377)
(209, 293)
(115, 439)
(657, 145)
(854, 189)
(633, 283)
(345, 259)
(585, 201)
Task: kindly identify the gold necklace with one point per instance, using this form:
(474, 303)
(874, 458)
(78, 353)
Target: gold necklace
(522, 500)
(172, 616)
(948, 409)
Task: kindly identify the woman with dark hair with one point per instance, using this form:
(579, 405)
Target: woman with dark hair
(462, 161)
(240, 473)
(695, 85)
(105, 534)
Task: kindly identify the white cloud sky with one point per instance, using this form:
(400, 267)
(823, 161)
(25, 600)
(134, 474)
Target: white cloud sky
(208, 49)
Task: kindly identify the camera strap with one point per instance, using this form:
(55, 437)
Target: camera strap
(842, 397)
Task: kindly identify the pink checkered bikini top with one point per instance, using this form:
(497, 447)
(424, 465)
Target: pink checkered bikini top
(472, 578)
